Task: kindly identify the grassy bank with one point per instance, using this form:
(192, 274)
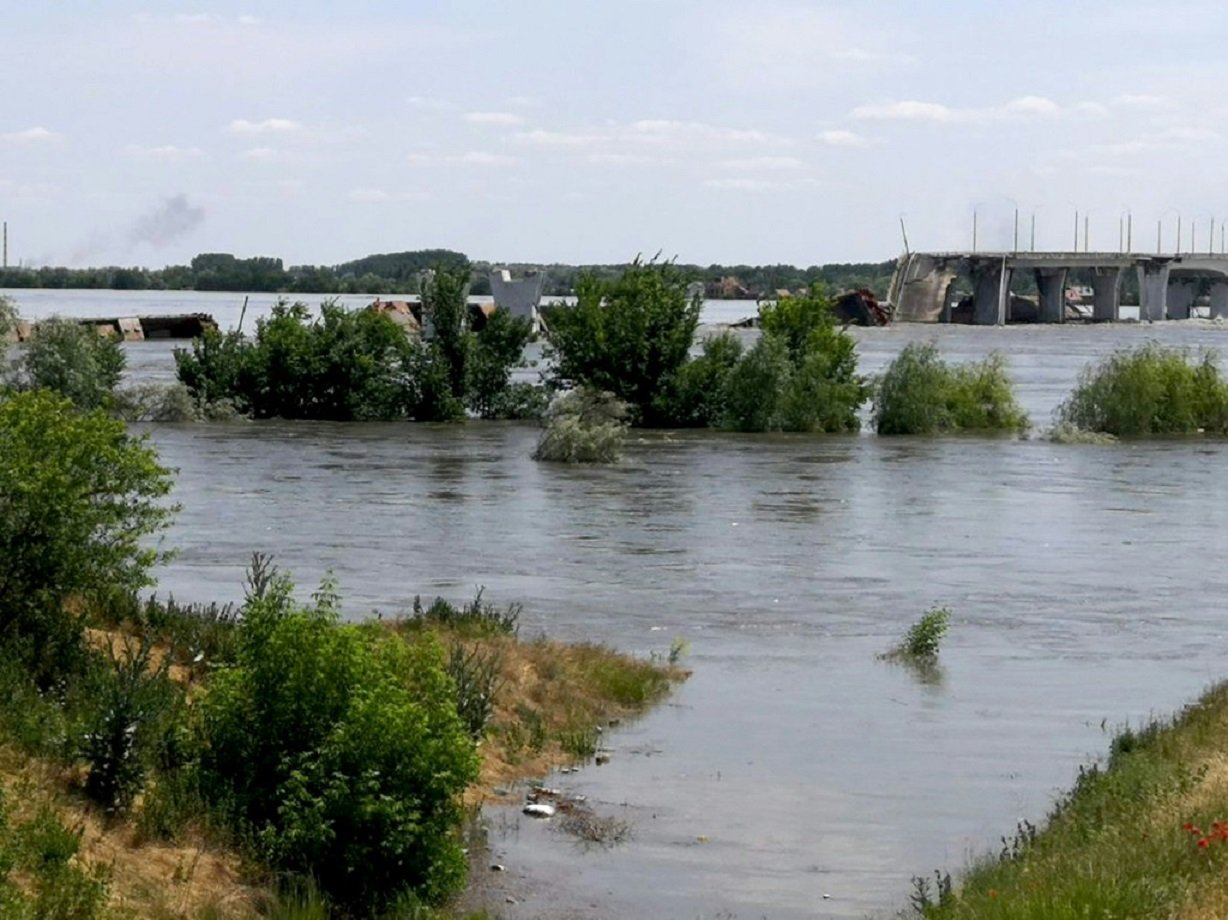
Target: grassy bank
(530, 704)
(1145, 836)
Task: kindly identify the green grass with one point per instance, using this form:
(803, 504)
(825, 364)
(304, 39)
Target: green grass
(1117, 845)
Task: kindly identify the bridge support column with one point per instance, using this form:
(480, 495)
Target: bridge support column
(1106, 294)
(1180, 299)
(1051, 284)
(1219, 300)
(993, 283)
(1153, 291)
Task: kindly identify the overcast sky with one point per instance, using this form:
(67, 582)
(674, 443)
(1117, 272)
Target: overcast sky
(576, 131)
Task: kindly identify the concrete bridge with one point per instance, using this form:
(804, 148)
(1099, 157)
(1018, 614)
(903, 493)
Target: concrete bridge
(922, 285)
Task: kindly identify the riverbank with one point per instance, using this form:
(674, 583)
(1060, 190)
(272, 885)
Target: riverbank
(551, 703)
(1144, 836)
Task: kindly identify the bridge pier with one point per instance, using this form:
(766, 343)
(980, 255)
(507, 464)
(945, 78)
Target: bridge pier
(993, 282)
(1051, 284)
(1153, 291)
(1180, 299)
(1219, 300)
(1106, 294)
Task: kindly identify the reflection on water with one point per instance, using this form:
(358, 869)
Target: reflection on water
(1084, 581)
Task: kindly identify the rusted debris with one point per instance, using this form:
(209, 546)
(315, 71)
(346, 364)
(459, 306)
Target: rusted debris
(405, 313)
(860, 308)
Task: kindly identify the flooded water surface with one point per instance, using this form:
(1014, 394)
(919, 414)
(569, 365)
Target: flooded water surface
(794, 774)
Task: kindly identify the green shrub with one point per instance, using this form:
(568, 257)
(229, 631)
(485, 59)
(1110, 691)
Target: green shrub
(800, 376)
(79, 500)
(54, 884)
(133, 700)
(155, 402)
(8, 318)
(628, 336)
(919, 393)
(71, 359)
(583, 426)
(339, 750)
(696, 395)
(1150, 389)
(473, 620)
(924, 638)
(475, 674)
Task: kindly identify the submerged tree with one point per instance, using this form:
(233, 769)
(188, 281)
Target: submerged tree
(627, 336)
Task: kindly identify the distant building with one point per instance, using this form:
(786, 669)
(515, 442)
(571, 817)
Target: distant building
(520, 297)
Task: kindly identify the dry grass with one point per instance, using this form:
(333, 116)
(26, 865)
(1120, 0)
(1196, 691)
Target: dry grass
(549, 694)
(147, 879)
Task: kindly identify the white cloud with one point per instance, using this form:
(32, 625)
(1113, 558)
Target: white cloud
(250, 20)
(691, 133)
(32, 135)
(523, 102)
(907, 110)
(162, 152)
(620, 159)
(559, 138)
(507, 119)
(484, 158)
(842, 138)
(751, 164)
(1032, 105)
(1025, 107)
(195, 18)
(268, 126)
(267, 155)
(1141, 100)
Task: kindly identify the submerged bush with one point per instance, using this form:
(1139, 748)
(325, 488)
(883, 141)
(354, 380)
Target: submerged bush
(1150, 389)
(919, 393)
(924, 638)
(359, 365)
(583, 426)
(800, 376)
(339, 750)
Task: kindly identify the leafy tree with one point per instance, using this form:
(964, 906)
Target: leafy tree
(697, 395)
(73, 360)
(339, 749)
(446, 305)
(495, 351)
(628, 336)
(802, 373)
(79, 500)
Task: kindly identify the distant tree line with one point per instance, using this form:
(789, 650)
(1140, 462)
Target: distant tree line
(401, 273)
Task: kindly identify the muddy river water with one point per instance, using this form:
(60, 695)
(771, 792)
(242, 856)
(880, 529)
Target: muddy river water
(794, 774)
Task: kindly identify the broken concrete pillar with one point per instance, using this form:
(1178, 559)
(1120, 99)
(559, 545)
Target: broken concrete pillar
(919, 288)
(1219, 300)
(993, 281)
(1051, 283)
(1180, 296)
(1106, 294)
(1153, 291)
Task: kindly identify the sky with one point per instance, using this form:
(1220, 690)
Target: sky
(588, 132)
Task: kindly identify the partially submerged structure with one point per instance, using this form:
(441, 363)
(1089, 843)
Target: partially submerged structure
(923, 289)
(520, 297)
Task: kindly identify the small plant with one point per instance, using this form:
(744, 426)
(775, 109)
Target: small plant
(475, 619)
(923, 639)
(476, 675)
(677, 649)
(132, 696)
(579, 741)
(925, 900)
